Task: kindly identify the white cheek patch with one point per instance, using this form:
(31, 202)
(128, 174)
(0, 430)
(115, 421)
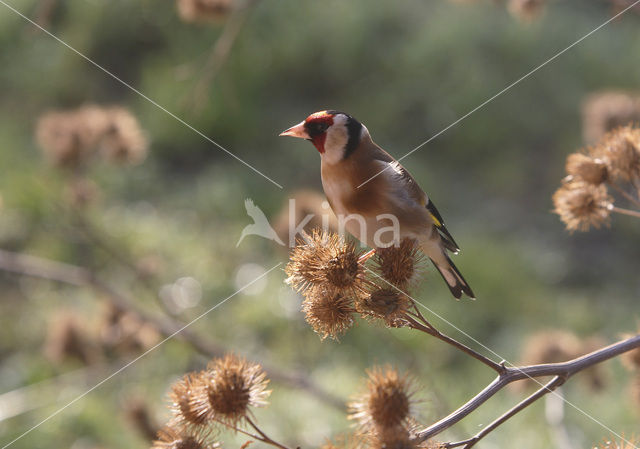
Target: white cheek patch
(336, 141)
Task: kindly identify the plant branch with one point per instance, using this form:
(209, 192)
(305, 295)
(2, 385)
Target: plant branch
(620, 210)
(264, 438)
(78, 276)
(467, 350)
(562, 370)
(624, 193)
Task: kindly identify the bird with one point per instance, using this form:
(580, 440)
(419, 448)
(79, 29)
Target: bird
(370, 192)
(260, 225)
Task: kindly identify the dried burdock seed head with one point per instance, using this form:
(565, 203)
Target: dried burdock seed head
(605, 111)
(64, 138)
(183, 438)
(586, 168)
(123, 141)
(328, 311)
(594, 377)
(399, 265)
(620, 149)
(392, 438)
(188, 404)
(581, 205)
(386, 404)
(203, 10)
(387, 304)
(526, 10)
(232, 385)
(551, 346)
(624, 443)
(345, 441)
(325, 260)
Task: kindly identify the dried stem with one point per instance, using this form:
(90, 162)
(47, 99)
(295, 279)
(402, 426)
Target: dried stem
(429, 329)
(263, 437)
(562, 371)
(73, 275)
(624, 193)
(632, 213)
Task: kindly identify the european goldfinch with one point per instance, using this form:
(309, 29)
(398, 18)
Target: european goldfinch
(360, 179)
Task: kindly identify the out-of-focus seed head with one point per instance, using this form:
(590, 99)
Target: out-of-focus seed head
(551, 346)
(631, 359)
(386, 404)
(64, 138)
(328, 311)
(399, 265)
(183, 438)
(233, 385)
(346, 441)
(595, 377)
(199, 11)
(326, 260)
(634, 390)
(625, 443)
(607, 110)
(620, 150)
(526, 10)
(581, 205)
(387, 304)
(188, 405)
(586, 168)
(123, 141)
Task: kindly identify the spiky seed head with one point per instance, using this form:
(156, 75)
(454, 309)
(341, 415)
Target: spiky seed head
(586, 168)
(387, 304)
(123, 141)
(325, 259)
(328, 311)
(64, 138)
(188, 405)
(232, 385)
(386, 403)
(623, 443)
(620, 149)
(606, 110)
(183, 438)
(581, 205)
(399, 265)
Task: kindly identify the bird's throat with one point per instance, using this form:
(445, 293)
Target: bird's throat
(318, 142)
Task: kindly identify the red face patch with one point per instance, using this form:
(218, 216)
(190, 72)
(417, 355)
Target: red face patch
(316, 126)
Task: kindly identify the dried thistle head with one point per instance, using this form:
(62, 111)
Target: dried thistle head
(325, 260)
(64, 138)
(551, 346)
(581, 205)
(622, 444)
(231, 385)
(589, 169)
(189, 406)
(607, 110)
(386, 404)
(183, 438)
(328, 311)
(526, 10)
(392, 438)
(198, 11)
(387, 304)
(399, 265)
(123, 141)
(620, 149)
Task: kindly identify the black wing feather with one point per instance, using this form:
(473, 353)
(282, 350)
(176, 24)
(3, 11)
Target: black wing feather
(450, 242)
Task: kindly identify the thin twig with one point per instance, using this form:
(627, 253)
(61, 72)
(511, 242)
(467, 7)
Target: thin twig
(220, 53)
(467, 350)
(549, 387)
(70, 274)
(620, 210)
(624, 193)
(563, 370)
(264, 437)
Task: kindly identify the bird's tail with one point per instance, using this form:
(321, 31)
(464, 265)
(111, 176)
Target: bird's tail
(453, 278)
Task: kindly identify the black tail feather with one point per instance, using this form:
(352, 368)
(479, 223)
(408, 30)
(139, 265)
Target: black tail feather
(460, 286)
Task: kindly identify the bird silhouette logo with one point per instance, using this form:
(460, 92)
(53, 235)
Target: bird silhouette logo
(260, 225)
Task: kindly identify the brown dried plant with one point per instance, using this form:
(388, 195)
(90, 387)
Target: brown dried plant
(526, 10)
(201, 11)
(182, 438)
(607, 110)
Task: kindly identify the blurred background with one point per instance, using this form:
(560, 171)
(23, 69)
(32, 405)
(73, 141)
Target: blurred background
(119, 204)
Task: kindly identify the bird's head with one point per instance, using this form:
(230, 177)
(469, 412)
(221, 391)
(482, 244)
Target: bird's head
(335, 134)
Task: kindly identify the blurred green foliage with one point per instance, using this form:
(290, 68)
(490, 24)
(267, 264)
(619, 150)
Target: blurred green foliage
(407, 70)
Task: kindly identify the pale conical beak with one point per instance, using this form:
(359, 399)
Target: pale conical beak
(296, 131)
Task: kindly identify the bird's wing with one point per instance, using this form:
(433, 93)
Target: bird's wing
(414, 192)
